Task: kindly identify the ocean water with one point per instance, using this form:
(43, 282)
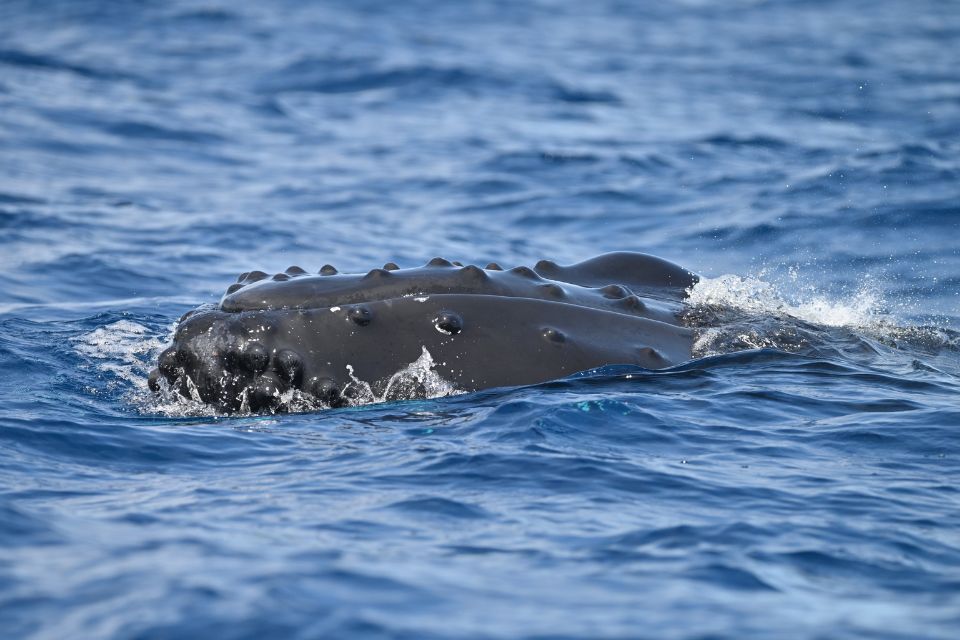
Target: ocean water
(798, 478)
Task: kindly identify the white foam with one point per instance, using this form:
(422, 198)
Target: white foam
(731, 313)
(128, 351)
(416, 380)
(123, 348)
(755, 296)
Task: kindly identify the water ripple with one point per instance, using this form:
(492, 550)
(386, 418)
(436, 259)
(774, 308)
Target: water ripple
(794, 479)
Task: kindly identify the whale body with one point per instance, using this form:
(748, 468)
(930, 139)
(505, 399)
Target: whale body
(328, 339)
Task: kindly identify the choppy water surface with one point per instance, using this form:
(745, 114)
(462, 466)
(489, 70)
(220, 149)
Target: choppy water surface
(797, 479)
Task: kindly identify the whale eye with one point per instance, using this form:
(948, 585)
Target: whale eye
(448, 322)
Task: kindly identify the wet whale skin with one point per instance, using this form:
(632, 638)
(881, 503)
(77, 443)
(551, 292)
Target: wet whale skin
(322, 334)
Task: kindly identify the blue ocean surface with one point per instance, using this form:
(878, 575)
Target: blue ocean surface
(797, 479)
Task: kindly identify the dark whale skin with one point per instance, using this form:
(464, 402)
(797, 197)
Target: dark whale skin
(320, 335)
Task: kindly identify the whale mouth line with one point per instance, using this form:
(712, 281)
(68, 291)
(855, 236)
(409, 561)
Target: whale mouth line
(414, 380)
(297, 341)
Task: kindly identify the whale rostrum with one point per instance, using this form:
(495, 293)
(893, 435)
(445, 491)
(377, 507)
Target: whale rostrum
(319, 335)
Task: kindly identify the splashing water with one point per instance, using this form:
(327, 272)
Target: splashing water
(417, 380)
(756, 296)
(124, 349)
(734, 313)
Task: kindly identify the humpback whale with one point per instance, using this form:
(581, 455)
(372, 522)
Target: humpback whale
(326, 338)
